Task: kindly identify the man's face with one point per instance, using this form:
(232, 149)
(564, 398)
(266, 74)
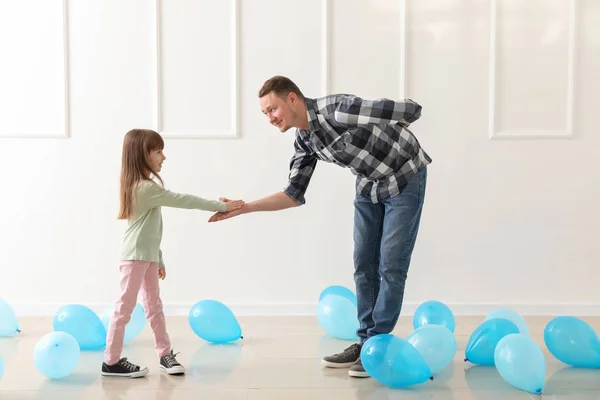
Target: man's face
(279, 110)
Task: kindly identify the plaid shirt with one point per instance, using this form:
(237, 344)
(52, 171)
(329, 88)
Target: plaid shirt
(367, 136)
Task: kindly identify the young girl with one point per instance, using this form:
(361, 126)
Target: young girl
(142, 264)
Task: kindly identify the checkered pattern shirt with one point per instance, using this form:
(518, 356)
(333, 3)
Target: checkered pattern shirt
(370, 137)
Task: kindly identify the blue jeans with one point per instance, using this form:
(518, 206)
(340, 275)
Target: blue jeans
(384, 238)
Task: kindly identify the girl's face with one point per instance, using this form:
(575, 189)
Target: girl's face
(156, 159)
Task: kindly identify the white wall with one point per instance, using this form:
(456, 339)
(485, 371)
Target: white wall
(511, 214)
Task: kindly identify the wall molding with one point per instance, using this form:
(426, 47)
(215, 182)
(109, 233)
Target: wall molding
(232, 133)
(528, 133)
(67, 131)
(326, 46)
(309, 309)
(402, 61)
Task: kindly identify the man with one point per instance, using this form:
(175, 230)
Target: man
(370, 138)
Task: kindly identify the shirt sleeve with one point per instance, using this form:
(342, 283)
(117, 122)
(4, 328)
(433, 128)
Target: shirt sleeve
(157, 196)
(354, 111)
(302, 166)
(161, 263)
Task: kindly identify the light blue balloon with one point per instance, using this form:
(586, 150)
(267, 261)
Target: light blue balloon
(434, 312)
(83, 324)
(338, 317)
(135, 325)
(56, 355)
(572, 341)
(436, 344)
(9, 325)
(393, 361)
(521, 363)
(1, 367)
(340, 291)
(511, 316)
(483, 341)
(214, 322)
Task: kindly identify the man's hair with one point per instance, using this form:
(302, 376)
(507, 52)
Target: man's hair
(281, 86)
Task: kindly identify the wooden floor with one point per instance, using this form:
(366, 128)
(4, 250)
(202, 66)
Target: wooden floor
(278, 359)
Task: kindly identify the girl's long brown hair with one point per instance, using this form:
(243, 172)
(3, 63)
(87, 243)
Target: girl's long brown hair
(135, 168)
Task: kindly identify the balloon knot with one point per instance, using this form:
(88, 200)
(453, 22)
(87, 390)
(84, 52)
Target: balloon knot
(241, 337)
(18, 331)
(466, 359)
(431, 378)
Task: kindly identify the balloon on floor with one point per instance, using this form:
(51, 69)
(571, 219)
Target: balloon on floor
(337, 315)
(340, 291)
(135, 325)
(83, 324)
(436, 313)
(436, 344)
(393, 361)
(214, 322)
(483, 341)
(573, 341)
(9, 325)
(511, 316)
(521, 363)
(56, 355)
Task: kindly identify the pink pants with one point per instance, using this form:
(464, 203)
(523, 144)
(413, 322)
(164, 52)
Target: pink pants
(136, 275)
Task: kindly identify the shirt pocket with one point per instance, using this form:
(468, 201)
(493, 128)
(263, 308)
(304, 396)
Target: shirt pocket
(341, 142)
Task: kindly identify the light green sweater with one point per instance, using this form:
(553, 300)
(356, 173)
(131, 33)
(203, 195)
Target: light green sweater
(144, 230)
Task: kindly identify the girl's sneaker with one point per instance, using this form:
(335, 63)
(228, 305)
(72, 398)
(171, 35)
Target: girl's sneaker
(170, 365)
(123, 368)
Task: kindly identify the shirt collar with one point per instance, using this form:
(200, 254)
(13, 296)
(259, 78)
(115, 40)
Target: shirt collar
(311, 114)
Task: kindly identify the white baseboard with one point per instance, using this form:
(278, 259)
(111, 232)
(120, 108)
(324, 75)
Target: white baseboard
(308, 309)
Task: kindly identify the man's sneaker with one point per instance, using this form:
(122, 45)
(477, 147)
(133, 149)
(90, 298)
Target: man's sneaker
(358, 371)
(170, 365)
(345, 359)
(123, 368)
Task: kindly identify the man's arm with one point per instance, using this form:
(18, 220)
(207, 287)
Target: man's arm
(302, 167)
(354, 111)
(274, 202)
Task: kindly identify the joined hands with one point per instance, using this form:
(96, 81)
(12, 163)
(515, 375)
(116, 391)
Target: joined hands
(234, 208)
(232, 205)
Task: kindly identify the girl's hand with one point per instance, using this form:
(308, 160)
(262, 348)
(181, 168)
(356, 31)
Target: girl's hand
(233, 205)
(162, 273)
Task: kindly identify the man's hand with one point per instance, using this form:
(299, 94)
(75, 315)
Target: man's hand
(162, 273)
(234, 208)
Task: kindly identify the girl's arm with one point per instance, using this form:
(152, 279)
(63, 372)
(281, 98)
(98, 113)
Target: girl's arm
(157, 196)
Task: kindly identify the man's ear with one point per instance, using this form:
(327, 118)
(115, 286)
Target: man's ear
(292, 97)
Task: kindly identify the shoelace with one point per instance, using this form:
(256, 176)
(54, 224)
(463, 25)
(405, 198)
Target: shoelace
(126, 364)
(170, 360)
(355, 349)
